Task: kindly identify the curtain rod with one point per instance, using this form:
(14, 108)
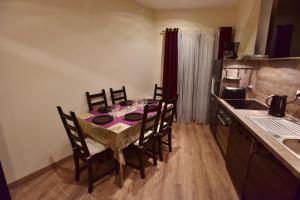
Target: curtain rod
(163, 32)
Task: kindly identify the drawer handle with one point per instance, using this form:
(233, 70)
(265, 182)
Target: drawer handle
(222, 121)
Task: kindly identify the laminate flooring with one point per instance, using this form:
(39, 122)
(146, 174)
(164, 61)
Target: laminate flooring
(194, 170)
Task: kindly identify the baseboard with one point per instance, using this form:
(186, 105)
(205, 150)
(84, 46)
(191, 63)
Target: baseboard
(37, 173)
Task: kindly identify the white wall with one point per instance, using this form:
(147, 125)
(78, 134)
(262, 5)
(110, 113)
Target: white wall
(51, 52)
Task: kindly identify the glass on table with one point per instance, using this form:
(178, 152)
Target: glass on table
(143, 102)
(114, 110)
(135, 101)
(117, 107)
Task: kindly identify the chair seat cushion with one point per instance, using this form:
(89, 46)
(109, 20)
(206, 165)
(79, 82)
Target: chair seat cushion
(93, 146)
(168, 105)
(136, 143)
(158, 127)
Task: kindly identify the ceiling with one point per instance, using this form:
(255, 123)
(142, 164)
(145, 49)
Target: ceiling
(186, 4)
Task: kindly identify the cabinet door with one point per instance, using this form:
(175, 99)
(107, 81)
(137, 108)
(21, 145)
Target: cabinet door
(238, 155)
(213, 114)
(268, 178)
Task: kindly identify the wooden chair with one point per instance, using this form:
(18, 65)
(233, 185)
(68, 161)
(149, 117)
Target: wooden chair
(158, 93)
(118, 95)
(165, 126)
(147, 136)
(96, 100)
(84, 149)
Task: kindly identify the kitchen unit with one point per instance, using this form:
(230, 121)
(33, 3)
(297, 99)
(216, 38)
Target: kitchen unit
(260, 167)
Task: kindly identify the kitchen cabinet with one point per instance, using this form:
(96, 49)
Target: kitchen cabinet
(268, 178)
(238, 155)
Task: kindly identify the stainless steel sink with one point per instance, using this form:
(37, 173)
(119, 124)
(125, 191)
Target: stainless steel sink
(284, 130)
(293, 145)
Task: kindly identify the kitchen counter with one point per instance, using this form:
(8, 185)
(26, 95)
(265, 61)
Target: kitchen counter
(288, 159)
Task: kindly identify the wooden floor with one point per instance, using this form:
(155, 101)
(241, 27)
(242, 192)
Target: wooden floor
(194, 170)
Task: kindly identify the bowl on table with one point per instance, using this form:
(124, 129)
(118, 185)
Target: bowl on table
(134, 116)
(150, 101)
(103, 119)
(126, 103)
(105, 109)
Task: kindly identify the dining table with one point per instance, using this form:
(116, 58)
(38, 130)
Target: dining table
(116, 134)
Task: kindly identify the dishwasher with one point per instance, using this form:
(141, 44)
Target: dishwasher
(223, 129)
(224, 118)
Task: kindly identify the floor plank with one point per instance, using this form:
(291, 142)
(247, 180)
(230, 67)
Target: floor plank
(194, 170)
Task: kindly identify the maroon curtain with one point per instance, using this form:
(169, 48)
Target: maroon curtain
(225, 37)
(170, 63)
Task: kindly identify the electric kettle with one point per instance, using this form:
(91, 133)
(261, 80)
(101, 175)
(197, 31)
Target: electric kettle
(278, 105)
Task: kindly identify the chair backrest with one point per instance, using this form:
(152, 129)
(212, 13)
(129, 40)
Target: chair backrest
(74, 133)
(118, 95)
(168, 114)
(158, 93)
(96, 100)
(150, 122)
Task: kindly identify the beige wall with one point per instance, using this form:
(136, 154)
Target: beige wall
(51, 52)
(195, 19)
(246, 25)
(277, 76)
(190, 20)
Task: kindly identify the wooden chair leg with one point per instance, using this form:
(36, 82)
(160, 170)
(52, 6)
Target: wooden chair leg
(77, 169)
(159, 148)
(142, 171)
(170, 141)
(90, 177)
(154, 151)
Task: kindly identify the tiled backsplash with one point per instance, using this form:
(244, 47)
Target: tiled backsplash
(271, 77)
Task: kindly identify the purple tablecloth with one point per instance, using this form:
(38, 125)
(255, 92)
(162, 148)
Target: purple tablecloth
(115, 120)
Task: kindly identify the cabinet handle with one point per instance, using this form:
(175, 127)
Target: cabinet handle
(222, 121)
(255, 147)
